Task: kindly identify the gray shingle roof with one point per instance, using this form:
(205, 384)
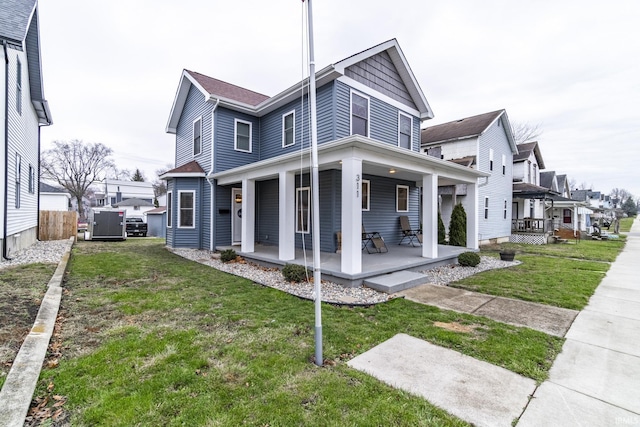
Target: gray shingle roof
(132, 202)
(46, 188)
(14, 19)
(546, 179)
(227, 90)
(463, 128)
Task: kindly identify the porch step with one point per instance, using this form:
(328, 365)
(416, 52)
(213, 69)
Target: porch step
(396, 282)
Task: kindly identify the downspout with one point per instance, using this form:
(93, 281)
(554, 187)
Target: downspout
(212, 246)
(6, 148)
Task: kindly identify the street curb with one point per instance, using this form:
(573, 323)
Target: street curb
(17, 391)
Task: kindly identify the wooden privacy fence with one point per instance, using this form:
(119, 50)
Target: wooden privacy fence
(58, 225)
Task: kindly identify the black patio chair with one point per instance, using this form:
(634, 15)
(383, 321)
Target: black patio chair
(408, 232)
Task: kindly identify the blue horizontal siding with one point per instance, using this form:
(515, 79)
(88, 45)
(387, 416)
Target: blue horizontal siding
(226, 156)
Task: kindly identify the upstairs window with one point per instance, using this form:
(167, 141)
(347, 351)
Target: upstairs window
(197, 136)
(243, 136)
(288, 129)
(359, 115)
(504, 164)
(19, 87)
(434, 152)
(490, 159)
(404, 131)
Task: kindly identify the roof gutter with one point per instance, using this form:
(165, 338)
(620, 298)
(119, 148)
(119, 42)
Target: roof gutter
(6, 149)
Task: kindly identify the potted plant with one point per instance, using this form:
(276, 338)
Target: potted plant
(507, 254)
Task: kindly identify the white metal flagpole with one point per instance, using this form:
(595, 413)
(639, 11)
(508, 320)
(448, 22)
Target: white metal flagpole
(315, 192)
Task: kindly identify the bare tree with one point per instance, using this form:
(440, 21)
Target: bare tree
(525, 132)
(159, 185)
(621, 194)
(119, 174)
(75, 165)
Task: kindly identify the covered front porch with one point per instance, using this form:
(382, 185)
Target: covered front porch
(399, 258)
(351, 159)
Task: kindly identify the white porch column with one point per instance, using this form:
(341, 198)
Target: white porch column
(351, 256)
(287, 220)
(248, 215)
(429, 216)
(472, 216)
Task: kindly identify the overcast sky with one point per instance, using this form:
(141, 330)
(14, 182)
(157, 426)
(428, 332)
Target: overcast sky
(111, 68)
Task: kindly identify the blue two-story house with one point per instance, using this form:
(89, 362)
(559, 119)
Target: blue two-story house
(243, 162)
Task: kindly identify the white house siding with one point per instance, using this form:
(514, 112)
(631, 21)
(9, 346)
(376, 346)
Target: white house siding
(498, 188)
(54, 201)
(459, 149)
(2, 151)
(23, 140)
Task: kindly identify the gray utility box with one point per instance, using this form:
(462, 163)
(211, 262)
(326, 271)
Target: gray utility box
(107, 224)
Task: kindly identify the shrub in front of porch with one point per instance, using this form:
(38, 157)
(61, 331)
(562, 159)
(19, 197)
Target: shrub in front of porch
(468, 259)
(458, 227)
(295, 273)
(442, 231)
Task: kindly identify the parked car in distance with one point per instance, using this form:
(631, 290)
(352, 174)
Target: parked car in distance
(136, 227)
(82, 225)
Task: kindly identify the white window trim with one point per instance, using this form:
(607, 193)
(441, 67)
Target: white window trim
(32, 178)
(504, 164)
(299, 190)
(398, 187)
(193, 136)
(486, 207)
(19, 87)
(169, 209)
(400, 113)
(235, 135)
(504, 215)
(351, 111)
(180, 208)
(368, 194)
(284, 145)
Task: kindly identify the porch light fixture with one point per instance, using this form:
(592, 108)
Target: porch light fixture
(238, 198)
(392, 170)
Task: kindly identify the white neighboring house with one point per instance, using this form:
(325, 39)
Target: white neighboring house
(54, 198)
(115, 191)
(135, 207)
(485, 143)
(23, 109)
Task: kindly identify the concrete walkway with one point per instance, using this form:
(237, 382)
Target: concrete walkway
(595, 381)
(545, 318)
(17, 391)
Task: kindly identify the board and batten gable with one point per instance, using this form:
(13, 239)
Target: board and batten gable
(195, 107)
(23, 144)
(498, 187)
(383, 117)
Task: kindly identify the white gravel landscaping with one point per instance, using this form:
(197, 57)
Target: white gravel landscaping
(44, 252)
(332, 292)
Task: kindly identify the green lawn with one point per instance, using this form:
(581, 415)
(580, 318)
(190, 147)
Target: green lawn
(626, 223)
(150, 338)
(562, 275)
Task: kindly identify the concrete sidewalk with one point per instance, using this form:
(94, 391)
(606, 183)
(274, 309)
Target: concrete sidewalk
(545, 318)
(595, 380)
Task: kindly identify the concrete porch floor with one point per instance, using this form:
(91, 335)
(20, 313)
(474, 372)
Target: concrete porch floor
(399, 258)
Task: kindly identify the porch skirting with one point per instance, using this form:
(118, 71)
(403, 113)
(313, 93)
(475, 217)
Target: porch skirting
(530, 238)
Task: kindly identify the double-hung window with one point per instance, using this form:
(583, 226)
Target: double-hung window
(288, 129)
(186, 209)
(486, 208)
(169, 209)
(303, 214)
(504, 215)
(197, 136)
(359, 114)
(504, 164)
(490, 159)
(402, 198)
(243, 136)
(404, 130)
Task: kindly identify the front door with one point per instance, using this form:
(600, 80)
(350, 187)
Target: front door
(236, 218)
